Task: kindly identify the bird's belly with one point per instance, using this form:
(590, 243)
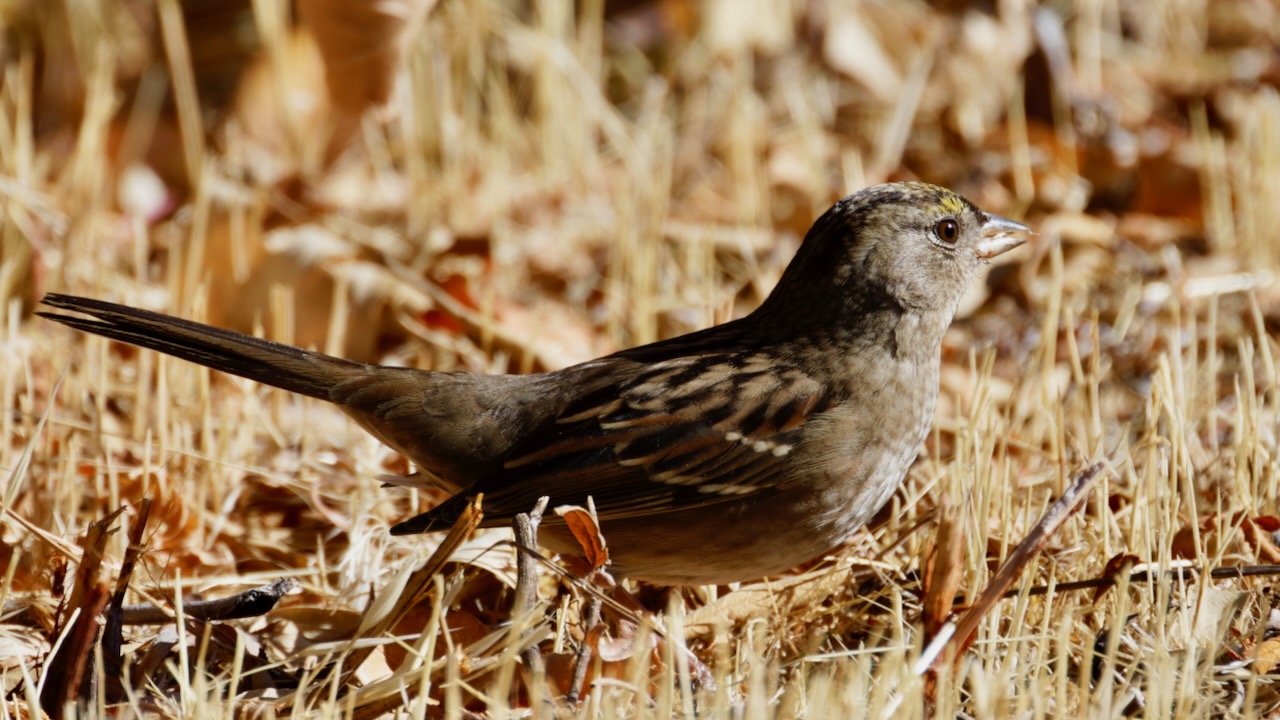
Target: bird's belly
(717, 544)
(746, 538)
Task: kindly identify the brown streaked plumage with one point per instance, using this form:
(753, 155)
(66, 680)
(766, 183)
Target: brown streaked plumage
(722, 455)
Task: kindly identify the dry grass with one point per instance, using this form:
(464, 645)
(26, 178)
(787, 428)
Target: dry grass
(567, 178)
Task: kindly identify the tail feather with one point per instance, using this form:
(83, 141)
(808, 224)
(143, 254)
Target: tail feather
(272, 363)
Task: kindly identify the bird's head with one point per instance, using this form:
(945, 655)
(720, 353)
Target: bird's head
(907, 245)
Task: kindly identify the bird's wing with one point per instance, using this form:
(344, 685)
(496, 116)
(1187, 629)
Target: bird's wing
(679, 434)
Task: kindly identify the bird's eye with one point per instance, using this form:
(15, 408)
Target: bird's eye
(947, 231)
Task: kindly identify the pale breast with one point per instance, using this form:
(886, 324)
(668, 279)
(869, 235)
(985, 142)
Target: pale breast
(871, 442)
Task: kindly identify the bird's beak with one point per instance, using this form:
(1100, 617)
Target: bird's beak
(1000, 235)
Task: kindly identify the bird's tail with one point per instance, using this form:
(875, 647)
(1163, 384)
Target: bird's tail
(272, 363)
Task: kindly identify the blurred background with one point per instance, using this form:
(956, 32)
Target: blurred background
(629, 169)
(517, 186)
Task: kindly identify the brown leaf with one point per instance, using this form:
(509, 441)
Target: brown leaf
(620, 648)
(586, 530)
(1270, 523)
(455, 286)
(606, 648)
(1183, 546)
(1253, 532)
(1267, 656)
(363, 46)
(1258, 537)
(66, 670)
(944, 567)
(1119, 563)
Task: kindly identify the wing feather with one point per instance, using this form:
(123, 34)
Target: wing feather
(682, 434)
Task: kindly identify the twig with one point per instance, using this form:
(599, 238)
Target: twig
(525, 526)
(1223, 573)
(590, 620)
(113, 629)
(69, 673)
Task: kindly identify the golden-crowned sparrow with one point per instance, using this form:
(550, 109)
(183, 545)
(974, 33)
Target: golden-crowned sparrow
(725, 454)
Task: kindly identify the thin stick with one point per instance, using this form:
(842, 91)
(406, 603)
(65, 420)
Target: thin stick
(1222, 573)
(526, 531)
(591, 619)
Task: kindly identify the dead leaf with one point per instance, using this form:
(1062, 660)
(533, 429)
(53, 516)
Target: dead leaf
(586, 530)
(1119, 563)
(944, 567)
(363, 46)
(1254, 532)
(619, 648)
(1267, 656)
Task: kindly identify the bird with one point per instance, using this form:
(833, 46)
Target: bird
(727, 454)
